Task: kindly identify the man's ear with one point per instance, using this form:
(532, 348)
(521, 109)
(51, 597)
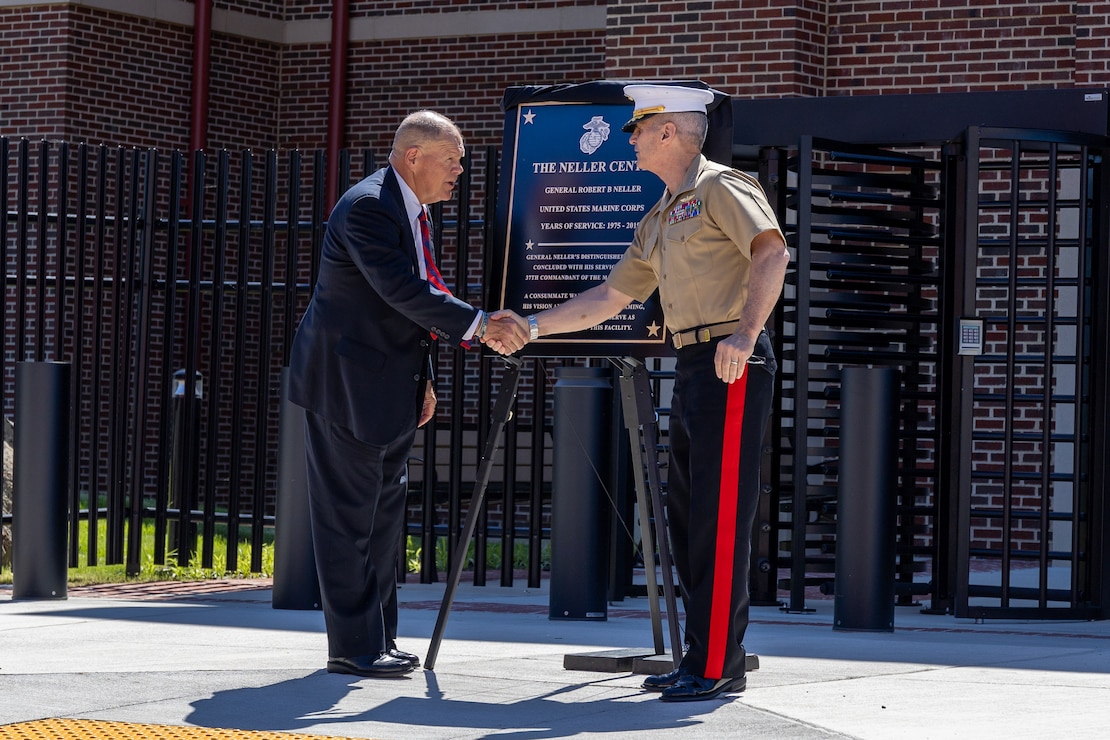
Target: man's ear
(411, 154)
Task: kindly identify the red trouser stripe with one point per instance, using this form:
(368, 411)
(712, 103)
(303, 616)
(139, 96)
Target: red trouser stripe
(720, 614)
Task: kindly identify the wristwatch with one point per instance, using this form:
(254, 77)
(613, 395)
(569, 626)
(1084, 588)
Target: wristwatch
(533, 328)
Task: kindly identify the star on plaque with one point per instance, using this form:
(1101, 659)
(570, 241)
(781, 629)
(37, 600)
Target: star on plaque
(653, 329)
(529, 243)
(529, 116)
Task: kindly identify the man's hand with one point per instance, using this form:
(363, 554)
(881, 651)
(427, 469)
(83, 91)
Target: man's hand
(506, 332)
(732, 356)
(428, 410)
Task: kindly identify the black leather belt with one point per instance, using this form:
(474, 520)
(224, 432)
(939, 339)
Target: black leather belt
(703, 334)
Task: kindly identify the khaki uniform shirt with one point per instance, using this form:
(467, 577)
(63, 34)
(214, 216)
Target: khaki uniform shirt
(695, 246)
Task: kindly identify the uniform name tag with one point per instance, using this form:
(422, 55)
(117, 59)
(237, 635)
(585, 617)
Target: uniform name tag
(685, 209)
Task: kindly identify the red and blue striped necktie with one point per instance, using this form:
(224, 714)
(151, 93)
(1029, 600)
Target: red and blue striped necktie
(429, 261)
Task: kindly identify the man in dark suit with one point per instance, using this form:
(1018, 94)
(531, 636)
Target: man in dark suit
(361, 368)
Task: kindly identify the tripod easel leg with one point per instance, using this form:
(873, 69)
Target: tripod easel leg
(640, 419)
(502, 412)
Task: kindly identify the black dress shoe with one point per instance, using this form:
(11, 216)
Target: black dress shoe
(392, 650)
(379, 665)
(696, 688)
(663, 680)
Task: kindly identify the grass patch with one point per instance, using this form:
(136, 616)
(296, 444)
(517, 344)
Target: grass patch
(101, 572)
(493, 555)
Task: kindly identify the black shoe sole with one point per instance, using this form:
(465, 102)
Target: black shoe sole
(734, 686)
(379, 673)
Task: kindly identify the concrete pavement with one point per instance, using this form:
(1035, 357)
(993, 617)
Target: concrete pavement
(221, 657)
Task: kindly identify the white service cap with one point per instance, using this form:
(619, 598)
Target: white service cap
(650, 100)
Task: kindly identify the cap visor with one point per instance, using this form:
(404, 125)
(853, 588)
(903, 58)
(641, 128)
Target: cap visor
(631, 125)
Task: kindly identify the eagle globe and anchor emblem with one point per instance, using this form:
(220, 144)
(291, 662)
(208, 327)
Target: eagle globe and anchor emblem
(597, 133)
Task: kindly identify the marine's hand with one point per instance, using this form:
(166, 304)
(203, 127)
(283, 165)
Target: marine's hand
(516, 318)
(732, 357)
(506, 333)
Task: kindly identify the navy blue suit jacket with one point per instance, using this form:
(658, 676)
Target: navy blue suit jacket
(361, 353)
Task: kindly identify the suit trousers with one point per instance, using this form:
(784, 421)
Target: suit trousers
(356, 494)
(716, 440)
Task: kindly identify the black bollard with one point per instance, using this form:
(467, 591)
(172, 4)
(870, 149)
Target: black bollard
(296, 585)
(866, 498)
(41, 480)
(184, 450)
(581, 455)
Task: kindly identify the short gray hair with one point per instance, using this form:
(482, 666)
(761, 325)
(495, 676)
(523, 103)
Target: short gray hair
(691, 127)
(422, 127)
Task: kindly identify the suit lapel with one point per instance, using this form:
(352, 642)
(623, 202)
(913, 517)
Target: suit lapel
(392, 190)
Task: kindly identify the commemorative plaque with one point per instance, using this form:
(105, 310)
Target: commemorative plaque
(569, 200)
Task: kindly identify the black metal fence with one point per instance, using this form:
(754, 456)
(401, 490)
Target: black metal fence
(172, 285)
(864, 292)
(976, 271)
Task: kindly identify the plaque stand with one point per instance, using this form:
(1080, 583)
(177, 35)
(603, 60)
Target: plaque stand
(641, 421)
(642, 424)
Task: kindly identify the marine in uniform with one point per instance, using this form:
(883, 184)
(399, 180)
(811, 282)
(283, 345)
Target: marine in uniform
(713, 248)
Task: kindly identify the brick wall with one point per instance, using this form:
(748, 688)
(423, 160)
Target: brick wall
(115, 76)
(365, 8)
(268, 8)
(83, 74)
(32, 91)
(1092, 52)
(938, 46)
(754, 49)
(464, 78)
(127, 80)
(238, 120)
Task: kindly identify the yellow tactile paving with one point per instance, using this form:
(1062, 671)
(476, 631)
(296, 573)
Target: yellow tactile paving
(87, 729)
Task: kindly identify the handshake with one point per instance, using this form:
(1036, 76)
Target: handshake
(506, 332)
